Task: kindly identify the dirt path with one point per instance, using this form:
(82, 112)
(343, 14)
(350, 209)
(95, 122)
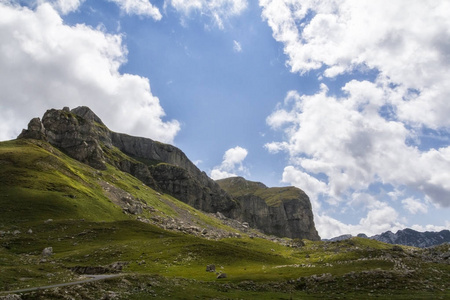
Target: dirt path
(92, 278)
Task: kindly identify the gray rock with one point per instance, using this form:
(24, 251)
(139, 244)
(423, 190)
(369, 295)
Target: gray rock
(283, 212)
(11, 297)
(35, 131)
(222, 275)
(47, 252)
(81, 134)
(211, 268)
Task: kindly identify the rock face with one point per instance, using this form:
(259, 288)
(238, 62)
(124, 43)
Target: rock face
(284, 212)
(409, 237)
(82, 135)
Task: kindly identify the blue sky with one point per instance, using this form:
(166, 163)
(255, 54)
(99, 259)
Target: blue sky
(347, 100)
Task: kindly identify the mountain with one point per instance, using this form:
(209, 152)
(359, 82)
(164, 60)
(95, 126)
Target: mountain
(281, 211)
(409, 237)
(406, 237)
(82, 135)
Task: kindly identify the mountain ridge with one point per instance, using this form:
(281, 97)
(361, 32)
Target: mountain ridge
(82, 135)
(405, 237)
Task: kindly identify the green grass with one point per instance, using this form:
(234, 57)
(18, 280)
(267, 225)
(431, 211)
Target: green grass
(239, 187)
(37, 183)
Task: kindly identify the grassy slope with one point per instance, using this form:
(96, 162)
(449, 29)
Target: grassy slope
(272, 196)
(40, 183)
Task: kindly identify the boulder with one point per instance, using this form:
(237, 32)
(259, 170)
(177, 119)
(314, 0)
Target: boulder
(47, 252)
(211, 268)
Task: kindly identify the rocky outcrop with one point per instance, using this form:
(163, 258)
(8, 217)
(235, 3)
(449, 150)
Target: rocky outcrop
(284, 212)
(80, 133)
(194, 190)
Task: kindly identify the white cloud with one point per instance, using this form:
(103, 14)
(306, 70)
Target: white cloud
(367, 136)
(47, 64)
(407, 42)
(376, 221)
(139, 7)
(414, 206)
(421, 228)
(347, 140)
(67, 6)
(131, 7)
(218, 10)
(237, 47)
(232, 163)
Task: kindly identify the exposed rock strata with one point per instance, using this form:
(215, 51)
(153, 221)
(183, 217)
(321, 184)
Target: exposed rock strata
(278, 211)
(81, 134)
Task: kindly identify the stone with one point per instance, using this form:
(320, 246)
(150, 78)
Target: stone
(11, 297)
(211, 268)
(222, 275)
(47, 252)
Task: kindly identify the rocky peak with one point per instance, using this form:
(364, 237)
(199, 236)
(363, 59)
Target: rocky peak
(81, 134)
(281, 211)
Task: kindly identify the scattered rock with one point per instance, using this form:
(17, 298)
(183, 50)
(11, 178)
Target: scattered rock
(220, 215)
(47, 252)
(211, 268)
(110, 296)
(222, 275)
(397, 248)
(30, 231)
(48, 221)
(11, 297)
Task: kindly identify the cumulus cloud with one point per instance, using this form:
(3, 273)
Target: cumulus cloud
(376, 221)
(218, 10)
(410, 49)
(139, 7)
(130, 7)
(414, 206)
(67, 6)
(232, 163)
(47, 64)
(369, 134)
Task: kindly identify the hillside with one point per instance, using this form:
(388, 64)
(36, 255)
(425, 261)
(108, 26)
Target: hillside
(81, 134)
(63, 218)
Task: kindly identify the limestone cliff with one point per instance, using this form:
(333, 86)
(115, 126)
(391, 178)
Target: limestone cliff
(83, 136)
(284, 211)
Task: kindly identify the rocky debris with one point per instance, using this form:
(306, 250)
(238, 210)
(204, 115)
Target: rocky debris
(211, 268)
(11, 297)
(221, 276)
(110, 295)
(47, 252)
(115, 267)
